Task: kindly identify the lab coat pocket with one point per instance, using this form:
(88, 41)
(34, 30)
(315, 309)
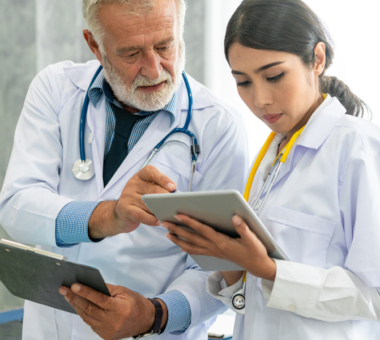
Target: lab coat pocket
(177, 169)
(303, 238)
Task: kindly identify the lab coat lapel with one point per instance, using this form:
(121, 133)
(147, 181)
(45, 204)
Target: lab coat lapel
(315, 133)
(96, 121)
(322, 124)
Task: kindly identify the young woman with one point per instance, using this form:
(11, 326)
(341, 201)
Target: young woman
(323, 209)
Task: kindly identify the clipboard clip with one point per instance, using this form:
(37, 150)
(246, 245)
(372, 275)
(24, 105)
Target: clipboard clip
(31, 249)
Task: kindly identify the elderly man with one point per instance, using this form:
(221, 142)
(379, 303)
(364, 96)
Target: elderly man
(98, 217)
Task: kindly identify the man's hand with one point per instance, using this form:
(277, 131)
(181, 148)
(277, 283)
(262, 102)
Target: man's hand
(125, 215)
(123, 314)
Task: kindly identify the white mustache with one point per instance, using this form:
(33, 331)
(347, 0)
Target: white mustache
(145, 81)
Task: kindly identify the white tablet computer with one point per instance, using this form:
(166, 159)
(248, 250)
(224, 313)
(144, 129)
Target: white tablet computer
(216, 209)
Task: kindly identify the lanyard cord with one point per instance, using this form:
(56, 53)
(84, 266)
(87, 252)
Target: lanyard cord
(262, 153)
(284, 155)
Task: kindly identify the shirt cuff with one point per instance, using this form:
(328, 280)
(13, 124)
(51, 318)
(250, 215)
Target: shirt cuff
(293, 282)
(71, 224)
(179, 312)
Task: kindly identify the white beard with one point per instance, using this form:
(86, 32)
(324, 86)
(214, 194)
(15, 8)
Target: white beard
(142, 101)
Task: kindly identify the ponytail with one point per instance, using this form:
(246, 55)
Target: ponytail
(337, 88)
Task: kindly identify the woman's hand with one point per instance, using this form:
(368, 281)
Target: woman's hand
(246, 251)
(231, 277)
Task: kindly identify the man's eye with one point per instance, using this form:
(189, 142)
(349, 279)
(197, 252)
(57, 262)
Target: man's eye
(133, 54)
(164, 48)
(276, 78)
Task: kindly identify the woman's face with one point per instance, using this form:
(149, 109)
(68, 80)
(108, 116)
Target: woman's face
(276, 86)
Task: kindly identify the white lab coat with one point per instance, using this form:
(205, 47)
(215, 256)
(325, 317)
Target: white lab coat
(39, 183)
(323, 211)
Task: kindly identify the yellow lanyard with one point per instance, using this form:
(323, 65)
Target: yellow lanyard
(257, 163)
(261, 155)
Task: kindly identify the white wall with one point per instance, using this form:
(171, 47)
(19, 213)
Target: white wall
(355, 29)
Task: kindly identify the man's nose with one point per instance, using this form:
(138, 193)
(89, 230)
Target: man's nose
(151, 65)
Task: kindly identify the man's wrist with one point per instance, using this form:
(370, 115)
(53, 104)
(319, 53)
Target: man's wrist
(151, 319)
(102, 220)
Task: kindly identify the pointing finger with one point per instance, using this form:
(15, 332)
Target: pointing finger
(151, 174)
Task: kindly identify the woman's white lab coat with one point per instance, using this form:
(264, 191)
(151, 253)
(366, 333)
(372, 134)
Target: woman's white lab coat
(323, 211)
(39, 183)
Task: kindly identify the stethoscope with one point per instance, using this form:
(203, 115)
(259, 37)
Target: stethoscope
(238, 298)
(83, 169)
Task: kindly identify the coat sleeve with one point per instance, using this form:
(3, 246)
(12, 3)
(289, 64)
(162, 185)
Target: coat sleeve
(348, 293)
(29, 202)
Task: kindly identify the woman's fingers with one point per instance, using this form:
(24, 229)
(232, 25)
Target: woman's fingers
(242, 229)
(202, 229)
(190, 237)
(190, 248)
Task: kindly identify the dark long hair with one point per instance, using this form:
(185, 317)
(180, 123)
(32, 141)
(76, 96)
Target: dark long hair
(289, 26)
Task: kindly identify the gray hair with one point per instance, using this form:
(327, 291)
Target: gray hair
(90, 11)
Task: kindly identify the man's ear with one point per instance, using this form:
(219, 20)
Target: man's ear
(92, 44)
(320, 58)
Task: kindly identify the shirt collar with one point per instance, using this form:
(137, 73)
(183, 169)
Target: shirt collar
(101, 86)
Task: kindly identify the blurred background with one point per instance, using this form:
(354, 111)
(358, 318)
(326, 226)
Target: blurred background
(36, 33)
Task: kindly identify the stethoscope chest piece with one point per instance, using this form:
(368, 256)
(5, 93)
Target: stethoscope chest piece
(83, 170)
(238, 301)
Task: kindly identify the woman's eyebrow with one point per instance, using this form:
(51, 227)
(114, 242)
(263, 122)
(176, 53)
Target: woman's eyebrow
(236, 72)
(265, 67)
(262, 68)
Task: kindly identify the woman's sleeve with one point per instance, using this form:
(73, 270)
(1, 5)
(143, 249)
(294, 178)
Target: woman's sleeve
(331, 295)
(351, 292)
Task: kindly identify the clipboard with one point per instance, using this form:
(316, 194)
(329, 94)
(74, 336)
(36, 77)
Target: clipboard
(216, 209)
(36, 275)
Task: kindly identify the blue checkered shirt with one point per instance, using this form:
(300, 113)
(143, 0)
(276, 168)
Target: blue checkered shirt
(72, 220)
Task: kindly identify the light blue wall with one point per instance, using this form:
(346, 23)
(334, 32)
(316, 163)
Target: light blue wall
(36, 33)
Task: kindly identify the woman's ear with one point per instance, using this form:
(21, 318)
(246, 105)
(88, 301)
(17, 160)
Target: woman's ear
(320, 58)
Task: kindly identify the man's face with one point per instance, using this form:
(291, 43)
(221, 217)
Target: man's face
(142, 55)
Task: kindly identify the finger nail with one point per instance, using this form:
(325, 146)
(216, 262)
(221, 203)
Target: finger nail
(168, 236)
(62, 291)
(236, 220)
(171, 187)
(75, 288)
(165, 225)
(178, 218)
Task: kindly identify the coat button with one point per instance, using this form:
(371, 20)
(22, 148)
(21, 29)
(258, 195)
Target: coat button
(292, 308)
(90, 138)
